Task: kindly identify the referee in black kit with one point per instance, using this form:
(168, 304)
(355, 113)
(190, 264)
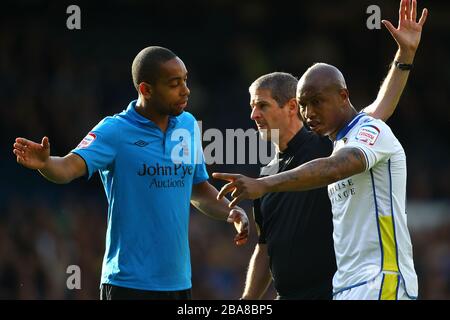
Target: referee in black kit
(295, 247)
(295, 229)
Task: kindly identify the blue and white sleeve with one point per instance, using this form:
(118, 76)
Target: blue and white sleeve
(98, 148)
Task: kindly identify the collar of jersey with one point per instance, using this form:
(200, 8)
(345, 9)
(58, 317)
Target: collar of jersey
(143, 121)
(349, 126)
(297, 140)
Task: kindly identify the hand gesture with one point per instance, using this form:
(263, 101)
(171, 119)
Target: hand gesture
(240, 186)
(31, 154)
(408, 33)
(240, 220)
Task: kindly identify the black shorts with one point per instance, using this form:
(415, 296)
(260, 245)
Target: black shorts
(318, 292)
(110, 292)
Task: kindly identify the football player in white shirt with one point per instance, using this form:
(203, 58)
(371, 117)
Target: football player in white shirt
(366, 178)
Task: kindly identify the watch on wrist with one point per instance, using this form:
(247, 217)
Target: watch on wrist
(403, 66)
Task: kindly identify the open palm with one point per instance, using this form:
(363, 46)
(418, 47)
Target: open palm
(408, 33)
(31, 154)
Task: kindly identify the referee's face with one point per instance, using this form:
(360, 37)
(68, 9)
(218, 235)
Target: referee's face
(169, 95)
(267, 113)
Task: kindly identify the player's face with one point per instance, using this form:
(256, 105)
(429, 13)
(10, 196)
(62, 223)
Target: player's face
(321, 108)
(170, 92)
(267, 113)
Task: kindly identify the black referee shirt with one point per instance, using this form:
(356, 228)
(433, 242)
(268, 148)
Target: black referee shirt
(297, 226)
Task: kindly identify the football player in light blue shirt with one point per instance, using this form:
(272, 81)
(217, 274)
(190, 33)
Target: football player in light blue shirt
(151, 164)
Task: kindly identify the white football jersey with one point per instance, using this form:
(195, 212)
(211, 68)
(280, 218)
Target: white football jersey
(370, 224)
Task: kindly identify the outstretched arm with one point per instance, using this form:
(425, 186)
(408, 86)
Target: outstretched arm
(204, 198)
(311, 175)
(56, 169)
(407, 36)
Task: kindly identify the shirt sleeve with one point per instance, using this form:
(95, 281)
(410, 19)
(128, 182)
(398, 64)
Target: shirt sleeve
(376, 140)
(259, 221)
(200, 172)
(98, 148)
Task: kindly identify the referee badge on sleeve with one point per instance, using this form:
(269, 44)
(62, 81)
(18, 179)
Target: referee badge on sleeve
(86, 142)
(368, 134)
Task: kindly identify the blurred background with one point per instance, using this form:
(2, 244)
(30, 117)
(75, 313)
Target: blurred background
(60, 83)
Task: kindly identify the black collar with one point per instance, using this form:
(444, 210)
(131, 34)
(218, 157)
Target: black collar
(296, 142)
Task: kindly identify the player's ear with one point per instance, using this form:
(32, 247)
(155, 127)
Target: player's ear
(145, 90)
(344, 94)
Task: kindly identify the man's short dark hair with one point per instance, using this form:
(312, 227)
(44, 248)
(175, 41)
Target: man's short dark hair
(282, 85)
(146, 64)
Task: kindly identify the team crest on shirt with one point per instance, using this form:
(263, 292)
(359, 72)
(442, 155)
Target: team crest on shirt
(86, 142)
(368, 134)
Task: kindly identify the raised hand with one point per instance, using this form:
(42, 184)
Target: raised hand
(408, 33)
(31, 154)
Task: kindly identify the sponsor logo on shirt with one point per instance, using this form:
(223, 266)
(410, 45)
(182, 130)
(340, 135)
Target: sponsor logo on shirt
(86, 142)
(368, 134)
(341, 190)
(166, 176)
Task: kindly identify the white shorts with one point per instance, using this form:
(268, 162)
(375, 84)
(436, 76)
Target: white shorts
(386, 286)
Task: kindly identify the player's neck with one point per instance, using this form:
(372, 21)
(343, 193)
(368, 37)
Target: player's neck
(350, 113)
(159, 119)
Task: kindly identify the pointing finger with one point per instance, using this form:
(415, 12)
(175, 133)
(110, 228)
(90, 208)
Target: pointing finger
(225, 176)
